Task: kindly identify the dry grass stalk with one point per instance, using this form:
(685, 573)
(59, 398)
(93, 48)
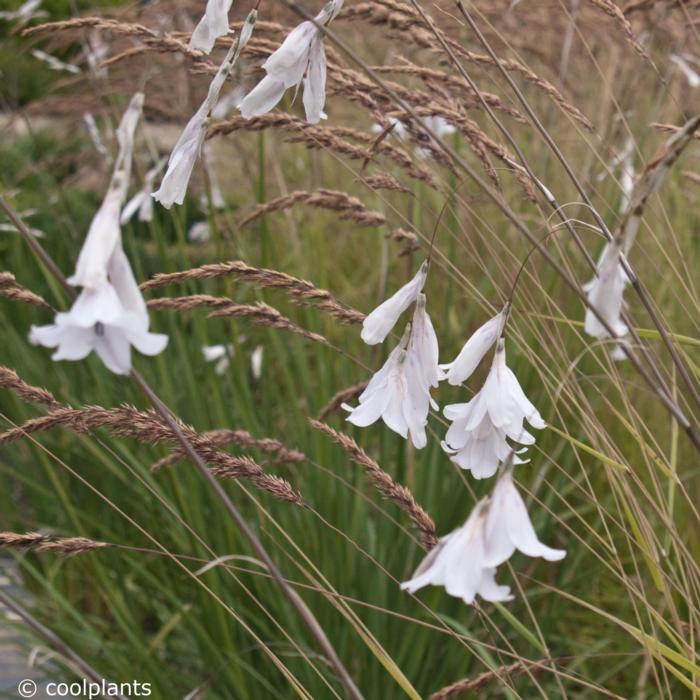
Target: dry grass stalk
(9, 379)
(349, 208)
(149, 427)
(280, 452)
(384, 181)
(406, 239)
(10, 289)
(407, 25)
(341, 397)
(260, 313)
(431, 77)
(38, 542)
(334, 139)
(518, 668)
(693, 177)
(386, 486)
(618, 16)
(300, 291)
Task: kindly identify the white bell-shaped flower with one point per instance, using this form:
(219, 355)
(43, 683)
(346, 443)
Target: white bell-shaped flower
(379, 323)
(508, 526)
(605, 292)
(108, 319)
(221, 354)
(423, 344)
(458, 562)
(480, 342)
(188, 147)
(300, 57)
(109, 315)
(476, 440)
(214, 23)
(397, 394)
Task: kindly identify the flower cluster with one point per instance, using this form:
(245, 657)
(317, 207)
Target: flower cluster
(465, 561)
(301, 57)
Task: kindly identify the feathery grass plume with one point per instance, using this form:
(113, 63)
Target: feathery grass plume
(618, 16)
(405, 23)
(9, 379)
(39, 542)
(384, 181)
(10, 289)
(149, 427)
(280, 453)
(188, 147)
(406, 239)
(349, 208)
(259, 313)
(300, 291)
(387, 487)
(335, 139)
(511, 671)
(341, 397)
(431, 76)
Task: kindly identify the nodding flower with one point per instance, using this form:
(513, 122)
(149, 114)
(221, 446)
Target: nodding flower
(465, 561)
(605, 293)
(479, 343)
(214, 23)
(300, 57)
(379, 323)
(398, 394)
(188, 147)
(109, 315)
(458, 562)
(476, 440)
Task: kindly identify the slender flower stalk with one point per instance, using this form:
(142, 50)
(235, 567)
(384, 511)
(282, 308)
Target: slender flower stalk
(300, 58)
(379, 323)
(480, 342)
(188, 147)
(477, 439)
(214, 23)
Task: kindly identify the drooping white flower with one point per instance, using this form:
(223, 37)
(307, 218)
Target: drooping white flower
(214, 23)
(108, 319)
(379, 323)
(458, 562)
(256, 361)
(188, 147)
(199, 232)
(228, 102)
(142, 202)
(477, 438)
(423, 345)
(479, 343)
(508, 526)
(221, 354)
(605, 293)
(691, 76)
(104, 232)
(25, 12)
(94, 133)
(109, 315)
(300, 57)
(54, 63)
(397, 395)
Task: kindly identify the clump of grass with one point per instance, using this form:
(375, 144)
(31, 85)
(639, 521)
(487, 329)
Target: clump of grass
(173, 591)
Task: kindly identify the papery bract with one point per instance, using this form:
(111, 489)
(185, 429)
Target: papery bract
(214, 23)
